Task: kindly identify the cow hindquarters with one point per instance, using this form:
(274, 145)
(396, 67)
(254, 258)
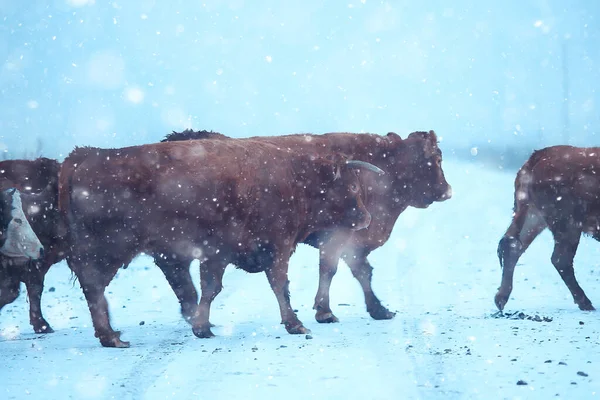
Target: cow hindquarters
(94, 276)
(363, 272)
(211, 284)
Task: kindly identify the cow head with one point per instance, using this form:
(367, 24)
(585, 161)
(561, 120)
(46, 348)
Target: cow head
(17, 238)
(340, 196)
(416, 163)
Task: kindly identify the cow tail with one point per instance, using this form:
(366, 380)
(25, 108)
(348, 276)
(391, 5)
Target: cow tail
(64, 189)
(510, 246)
(65, 179)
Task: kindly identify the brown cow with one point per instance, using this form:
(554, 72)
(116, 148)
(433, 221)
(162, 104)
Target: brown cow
(41, 211)
(558, 189)
(29, 175)
(245, 202)
(413, 177)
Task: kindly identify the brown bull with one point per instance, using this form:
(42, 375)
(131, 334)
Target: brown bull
(413, 177)
(38, 182)
(558, 189)
(245, 202)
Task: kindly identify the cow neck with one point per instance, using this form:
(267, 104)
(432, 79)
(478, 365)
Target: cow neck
(377, 151)
(398, 178)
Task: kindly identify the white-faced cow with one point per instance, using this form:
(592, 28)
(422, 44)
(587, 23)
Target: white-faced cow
(19, 245)
(36, 203)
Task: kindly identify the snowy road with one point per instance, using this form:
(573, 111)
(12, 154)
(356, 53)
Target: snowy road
(439, 271)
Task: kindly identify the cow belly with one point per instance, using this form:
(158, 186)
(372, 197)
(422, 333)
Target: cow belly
(257, 260)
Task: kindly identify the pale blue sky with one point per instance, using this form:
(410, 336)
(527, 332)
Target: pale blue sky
(93, 72)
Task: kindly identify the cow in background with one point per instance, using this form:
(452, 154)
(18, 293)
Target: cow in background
(557, 188)
(36, 196)
(29, 176)
(242, 202)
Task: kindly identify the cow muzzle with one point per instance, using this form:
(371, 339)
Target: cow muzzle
(447, 194)
(22, 251)
(364, 221)
(20, 242)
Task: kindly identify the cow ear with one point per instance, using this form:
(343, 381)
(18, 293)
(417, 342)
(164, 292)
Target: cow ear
(393, 136)
(329, 171)
(339, 159)
(338, 173)
(431, 144)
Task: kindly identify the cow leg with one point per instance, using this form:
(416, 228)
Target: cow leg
(9, 290)
(329, 257)
(363, 272)
(278, 279)
(565, 247)
(211, 284)
(179, 278)
(35, 287)
(93, 283)
(328, 264)
(526, 225)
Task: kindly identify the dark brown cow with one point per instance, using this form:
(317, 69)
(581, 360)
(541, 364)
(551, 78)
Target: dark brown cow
(40, 208)
(245, 202)
(413, 177)
(557, 188)
(29, 175)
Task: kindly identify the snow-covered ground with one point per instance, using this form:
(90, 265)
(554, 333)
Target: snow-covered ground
(439, 271)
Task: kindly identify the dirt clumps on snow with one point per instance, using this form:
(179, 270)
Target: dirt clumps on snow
(520, 315)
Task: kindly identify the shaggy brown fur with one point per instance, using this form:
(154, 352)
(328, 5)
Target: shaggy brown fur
(557, 188)
(413, 177)
(245, 202)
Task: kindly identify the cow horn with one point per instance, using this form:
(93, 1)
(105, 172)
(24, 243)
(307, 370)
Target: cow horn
(363, 164)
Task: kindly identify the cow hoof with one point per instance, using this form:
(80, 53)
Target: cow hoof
(326, 318)
(587, 306)
(382, 313)
(500, 301)
(114, 340)
(298, 330)
(43, 329)
(203, 332)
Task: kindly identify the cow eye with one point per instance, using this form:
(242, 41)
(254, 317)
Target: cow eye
(19, 221)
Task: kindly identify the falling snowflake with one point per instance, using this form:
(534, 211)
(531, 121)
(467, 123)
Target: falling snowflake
(134, 95)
